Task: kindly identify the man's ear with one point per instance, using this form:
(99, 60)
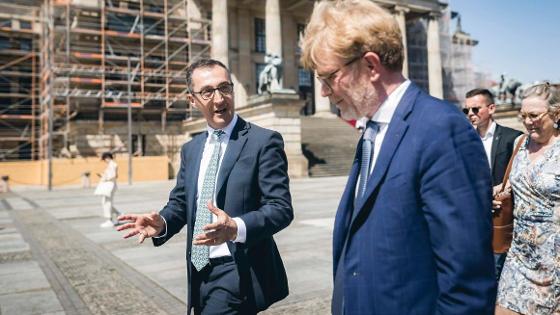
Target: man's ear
(191, 100)
(492, 108)
(374, 65)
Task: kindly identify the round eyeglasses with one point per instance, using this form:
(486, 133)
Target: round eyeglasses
(533, 117)
(207, 93)
(325, 79)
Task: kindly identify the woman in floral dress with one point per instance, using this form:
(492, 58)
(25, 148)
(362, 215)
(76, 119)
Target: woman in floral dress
(530, 282)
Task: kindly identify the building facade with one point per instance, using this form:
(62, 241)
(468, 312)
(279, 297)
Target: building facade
(74, 72)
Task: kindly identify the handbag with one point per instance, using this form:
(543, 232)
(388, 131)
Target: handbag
(104, 189)
(502, 219)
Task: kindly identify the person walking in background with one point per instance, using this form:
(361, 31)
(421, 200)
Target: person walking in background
(497, 140)
(233, 195)
(530, 282)
(106, 189)
(412, 233)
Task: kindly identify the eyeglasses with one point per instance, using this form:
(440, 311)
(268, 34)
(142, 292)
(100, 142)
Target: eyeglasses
(225, 89)
(475, 110)
(532, 116)
(325, 79)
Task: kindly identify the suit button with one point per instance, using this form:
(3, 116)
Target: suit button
(354, 274)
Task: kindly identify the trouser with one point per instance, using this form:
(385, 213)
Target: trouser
(108, 210)
(220, 290)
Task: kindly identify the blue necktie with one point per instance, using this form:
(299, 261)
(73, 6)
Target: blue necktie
(367, 155)
(200, 253)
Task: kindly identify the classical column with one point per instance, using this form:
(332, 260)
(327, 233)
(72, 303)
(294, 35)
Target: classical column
(245, 65)
(322, 104)
(400, 15)
(434, 57)
(220, 38)
(273, 27)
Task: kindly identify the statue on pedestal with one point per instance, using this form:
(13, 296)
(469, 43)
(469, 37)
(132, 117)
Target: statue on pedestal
(270, 77)
(505, 91)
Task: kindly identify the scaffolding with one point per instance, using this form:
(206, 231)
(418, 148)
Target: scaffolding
(19, 34)
(98, 57)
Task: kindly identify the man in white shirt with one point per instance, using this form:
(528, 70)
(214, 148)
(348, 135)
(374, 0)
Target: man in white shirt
(498, 142)
(232, 193)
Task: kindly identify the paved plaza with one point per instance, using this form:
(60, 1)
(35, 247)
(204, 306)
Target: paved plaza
(55, 259)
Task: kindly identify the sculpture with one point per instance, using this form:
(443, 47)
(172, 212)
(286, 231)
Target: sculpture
(505, 91)
(271, 76)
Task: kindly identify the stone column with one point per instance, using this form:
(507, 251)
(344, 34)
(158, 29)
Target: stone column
(322, 104)
(245, 69)
(273, 27)
(220, 38)
(434, 57)
(400, 15)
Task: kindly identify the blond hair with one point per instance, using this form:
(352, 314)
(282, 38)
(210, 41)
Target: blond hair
(349, 28)
(544, 91)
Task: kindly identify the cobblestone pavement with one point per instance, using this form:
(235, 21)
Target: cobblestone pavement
(55, 259)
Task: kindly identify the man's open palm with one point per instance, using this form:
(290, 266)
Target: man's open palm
(146, 225)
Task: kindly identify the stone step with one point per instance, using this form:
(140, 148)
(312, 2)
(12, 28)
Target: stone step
(329, 145)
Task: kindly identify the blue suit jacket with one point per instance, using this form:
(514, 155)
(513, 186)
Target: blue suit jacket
(253, 185)
(419, 241)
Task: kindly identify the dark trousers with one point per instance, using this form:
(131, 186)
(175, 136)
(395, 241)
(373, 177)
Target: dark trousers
(220, 290)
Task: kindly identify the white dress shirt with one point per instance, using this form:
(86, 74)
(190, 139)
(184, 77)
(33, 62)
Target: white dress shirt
(220, 250)
(487, 141)
(383, 117)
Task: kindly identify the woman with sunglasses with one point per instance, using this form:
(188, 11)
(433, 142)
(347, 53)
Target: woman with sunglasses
(530, 282)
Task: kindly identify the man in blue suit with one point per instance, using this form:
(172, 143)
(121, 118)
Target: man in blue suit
(232, 193)
(412, 233)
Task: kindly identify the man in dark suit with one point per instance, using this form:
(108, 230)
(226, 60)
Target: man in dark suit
(497, 140)
(232, 193)
(412, 233)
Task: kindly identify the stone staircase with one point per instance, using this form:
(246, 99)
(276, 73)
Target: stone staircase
(329, 145)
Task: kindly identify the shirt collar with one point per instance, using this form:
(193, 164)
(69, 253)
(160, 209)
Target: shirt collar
(227, 130)
(490, 132)
(389, 106)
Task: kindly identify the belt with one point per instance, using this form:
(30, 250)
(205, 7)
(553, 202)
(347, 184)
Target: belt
(220, 260)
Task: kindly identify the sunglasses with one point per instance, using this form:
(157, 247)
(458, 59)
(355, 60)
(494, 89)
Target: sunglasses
(475, 110)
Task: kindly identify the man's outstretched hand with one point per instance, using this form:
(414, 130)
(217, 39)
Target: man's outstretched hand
(146, 225)
(219, 232)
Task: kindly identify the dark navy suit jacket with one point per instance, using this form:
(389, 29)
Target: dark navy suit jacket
(253, 185)
(502, 148)
(419, 241)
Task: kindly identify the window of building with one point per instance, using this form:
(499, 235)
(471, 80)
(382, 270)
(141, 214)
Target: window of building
(260, 35)
(25, 25)
(304, 77)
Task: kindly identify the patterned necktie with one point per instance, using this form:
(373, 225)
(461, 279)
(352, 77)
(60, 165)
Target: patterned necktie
(200, 253)
(367, 155)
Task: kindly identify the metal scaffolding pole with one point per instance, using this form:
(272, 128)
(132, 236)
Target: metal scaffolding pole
(129, 114)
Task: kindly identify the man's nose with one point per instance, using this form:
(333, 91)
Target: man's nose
(217, 97)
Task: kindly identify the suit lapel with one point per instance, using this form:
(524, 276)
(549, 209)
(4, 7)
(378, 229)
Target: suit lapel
(235, 145)
(495, 145)
(396, 131)
(346, 206)
(193, 160)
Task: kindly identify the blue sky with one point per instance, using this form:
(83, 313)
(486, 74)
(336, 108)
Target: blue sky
(517, 37)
